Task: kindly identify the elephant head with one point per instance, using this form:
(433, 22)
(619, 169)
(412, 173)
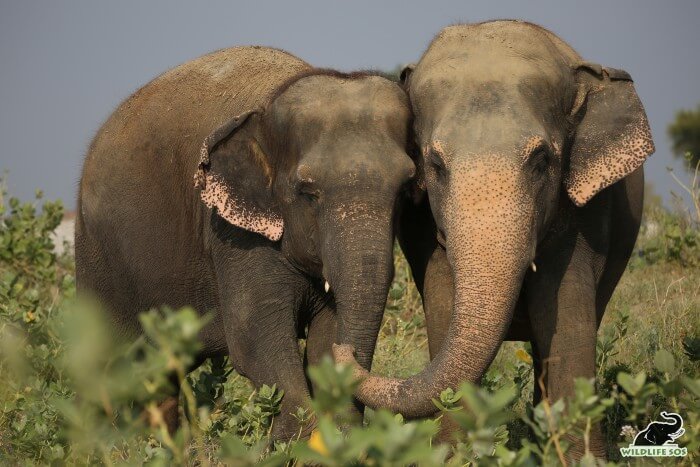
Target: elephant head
(318, 171)
(511, 124)
(660, 433)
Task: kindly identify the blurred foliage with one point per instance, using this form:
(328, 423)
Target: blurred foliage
(71, 394)
(670, 236)
(684, 132)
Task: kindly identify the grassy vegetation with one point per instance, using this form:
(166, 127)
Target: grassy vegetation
(70, 395)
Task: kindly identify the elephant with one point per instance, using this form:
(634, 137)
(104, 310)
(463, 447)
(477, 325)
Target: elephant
(252, 186)
(660, 433)
(531, 161)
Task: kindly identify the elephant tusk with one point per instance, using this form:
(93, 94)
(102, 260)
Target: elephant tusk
(327, 286)
(533, 267)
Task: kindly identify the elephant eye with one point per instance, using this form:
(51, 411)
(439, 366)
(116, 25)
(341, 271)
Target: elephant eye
(308, 192)
(311, 197)
(540, 162)
(436, 162)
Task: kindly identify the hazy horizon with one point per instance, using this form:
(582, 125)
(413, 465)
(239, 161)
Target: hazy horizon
(65, 67)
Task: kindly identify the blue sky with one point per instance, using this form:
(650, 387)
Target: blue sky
(64, 66)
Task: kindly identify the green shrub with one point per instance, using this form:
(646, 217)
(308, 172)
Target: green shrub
(672, 237)
(667, 237)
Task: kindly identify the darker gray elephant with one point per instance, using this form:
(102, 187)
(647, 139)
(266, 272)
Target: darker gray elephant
(295, 191)
(531, 158)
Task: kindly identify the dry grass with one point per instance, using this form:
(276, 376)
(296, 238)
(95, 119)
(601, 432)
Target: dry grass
(663, 303)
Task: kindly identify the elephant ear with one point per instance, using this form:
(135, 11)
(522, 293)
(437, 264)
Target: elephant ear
(417, 187)
(235, 177)
(613, 137)
(406, 73)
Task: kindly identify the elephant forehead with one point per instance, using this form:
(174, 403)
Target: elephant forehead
(367, 168)
(515, 38)
(485, 168)
(495, 77)
(516, 138)
(331, 96)
(478, 86)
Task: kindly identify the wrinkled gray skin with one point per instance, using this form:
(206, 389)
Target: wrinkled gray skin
(528, 154)
(315, 157)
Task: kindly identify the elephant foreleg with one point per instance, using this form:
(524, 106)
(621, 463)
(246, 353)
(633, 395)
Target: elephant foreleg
(271, 356)
(432, 274)
(261, 334)
(438, 295)
(431, 271)
(321, 336)
(562, 309)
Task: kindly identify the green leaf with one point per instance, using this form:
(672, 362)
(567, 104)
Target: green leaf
(664, 362)
(631, 384)
(692, 385)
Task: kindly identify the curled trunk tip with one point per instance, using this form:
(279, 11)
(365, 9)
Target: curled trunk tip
(344, 354)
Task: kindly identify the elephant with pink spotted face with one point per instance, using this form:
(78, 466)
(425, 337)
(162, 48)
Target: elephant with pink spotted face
(531, 161)
(248, 184)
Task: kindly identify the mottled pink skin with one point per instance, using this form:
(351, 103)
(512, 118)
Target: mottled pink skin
(217, 194)
(617, 161)
(200, 180)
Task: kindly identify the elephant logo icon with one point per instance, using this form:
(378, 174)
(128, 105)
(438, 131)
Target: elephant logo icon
(660, 433)
(657, 439)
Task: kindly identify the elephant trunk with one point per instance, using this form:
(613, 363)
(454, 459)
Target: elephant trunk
(489, 250)
(359, 275)
(677, 421)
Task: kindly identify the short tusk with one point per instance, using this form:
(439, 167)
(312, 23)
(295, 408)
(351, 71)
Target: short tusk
(327, 286)
(533, 267)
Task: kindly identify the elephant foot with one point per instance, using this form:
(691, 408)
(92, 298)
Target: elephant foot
(449, 431)
(168, 413)
(288, 429)
(596, 445)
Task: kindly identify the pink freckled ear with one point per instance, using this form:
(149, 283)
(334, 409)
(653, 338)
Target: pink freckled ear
(612, 164)
(219, 195)
(234, 176)
(613, 138)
